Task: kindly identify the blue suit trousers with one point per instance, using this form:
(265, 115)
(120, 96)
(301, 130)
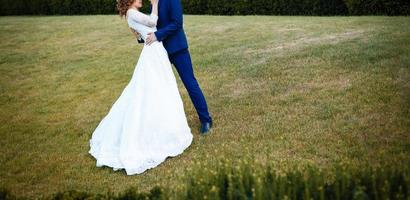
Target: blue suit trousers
(183, 64)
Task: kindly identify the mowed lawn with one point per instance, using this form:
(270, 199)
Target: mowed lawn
(294, 91)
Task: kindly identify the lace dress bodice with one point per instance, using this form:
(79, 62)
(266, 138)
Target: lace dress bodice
(141, 22)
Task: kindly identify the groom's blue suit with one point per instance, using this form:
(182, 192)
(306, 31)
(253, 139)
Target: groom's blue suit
(170, 31)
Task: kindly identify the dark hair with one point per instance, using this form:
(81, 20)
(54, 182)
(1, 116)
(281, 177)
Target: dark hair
(123, 5)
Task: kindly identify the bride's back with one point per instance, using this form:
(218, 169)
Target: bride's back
(141, 22)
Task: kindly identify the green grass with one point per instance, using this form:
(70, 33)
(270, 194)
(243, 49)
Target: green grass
(294, 91)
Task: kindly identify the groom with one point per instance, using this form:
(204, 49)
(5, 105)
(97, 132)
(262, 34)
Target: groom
(170, 31)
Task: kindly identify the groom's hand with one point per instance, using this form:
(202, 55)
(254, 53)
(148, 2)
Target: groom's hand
(151, 38)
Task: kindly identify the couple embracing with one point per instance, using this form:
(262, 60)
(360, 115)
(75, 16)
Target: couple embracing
(147, 123)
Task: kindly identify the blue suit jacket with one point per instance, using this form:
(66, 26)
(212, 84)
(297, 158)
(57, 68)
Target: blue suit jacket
(170, 26)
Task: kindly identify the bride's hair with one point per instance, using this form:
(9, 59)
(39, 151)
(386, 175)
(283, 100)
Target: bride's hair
(123, 5)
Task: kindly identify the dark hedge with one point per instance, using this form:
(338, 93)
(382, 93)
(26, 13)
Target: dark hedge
(216, 7)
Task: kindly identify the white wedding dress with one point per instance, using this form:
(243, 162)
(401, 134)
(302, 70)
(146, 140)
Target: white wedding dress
(147, 123)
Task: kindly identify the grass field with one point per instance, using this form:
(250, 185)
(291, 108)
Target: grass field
(293, 91)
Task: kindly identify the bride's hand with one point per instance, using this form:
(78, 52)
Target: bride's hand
(153, 2)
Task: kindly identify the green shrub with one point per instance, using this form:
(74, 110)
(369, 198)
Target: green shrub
(212, 7)
(248, 181)
(378, 7)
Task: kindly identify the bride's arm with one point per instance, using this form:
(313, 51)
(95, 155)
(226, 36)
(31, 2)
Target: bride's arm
(139, 17)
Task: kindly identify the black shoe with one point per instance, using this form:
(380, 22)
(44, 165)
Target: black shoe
(205, 128)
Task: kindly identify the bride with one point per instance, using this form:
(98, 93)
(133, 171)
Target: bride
(147, 123)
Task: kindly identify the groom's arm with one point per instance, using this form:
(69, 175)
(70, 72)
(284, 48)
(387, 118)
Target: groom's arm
(176, 21)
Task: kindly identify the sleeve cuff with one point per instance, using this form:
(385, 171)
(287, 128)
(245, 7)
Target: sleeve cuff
(154, 16)
(158, 36)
